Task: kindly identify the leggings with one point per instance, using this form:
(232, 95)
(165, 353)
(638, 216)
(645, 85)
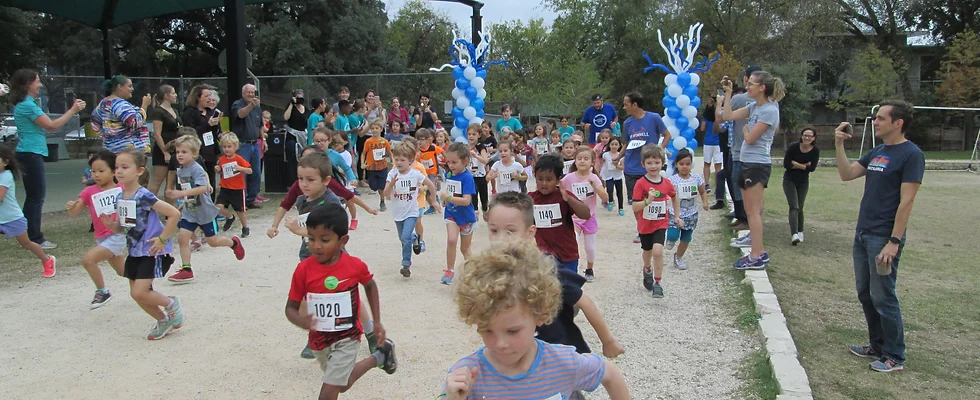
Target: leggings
(590, 246)
(481, 190)
(617, 185)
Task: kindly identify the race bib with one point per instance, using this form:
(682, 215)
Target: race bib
(228, 170)
(302, 219)
(404, 186)
(568, 165)
(127, 213)
(504, 177)
(379, 154)
(474, 164)
(547, 215)
(428, 164)
(583, 190)
(454, 188)
(541, 148)
(655, 211)
(635, 144)
(332, 312)
(208, 138)
(687, 192)
(105, 201)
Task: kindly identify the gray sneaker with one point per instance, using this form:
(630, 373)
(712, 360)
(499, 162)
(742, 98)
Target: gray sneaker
(883, 364)
(670, 245)
(679, 263)
(175, 313)
(658, 291)
(863, 351)
(100, 299)
(742, 242)
(160, 330)
(47, 245)
(647, 279)
(307, 353)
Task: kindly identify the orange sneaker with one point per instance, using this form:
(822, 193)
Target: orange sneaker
(353, 225)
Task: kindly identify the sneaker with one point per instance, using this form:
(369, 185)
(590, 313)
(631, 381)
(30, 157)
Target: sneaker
(260, 199)
(658, 291)
(621, 212)
(47, 245)
(707, 189)
(195, 246)
(183, 276)
(416, 247)
(801, 236)
(477, 215)
(382, 207)
(238, 248)
(391, 362)
(679, 263)
(228, 223)
(406, 272)
(422, 246)
(160, 330)
(647, 279)
(307, 353)
(175, 313)
(864, 351)
(486, 217)
(730, 215)
(353, 225)
(246, 231)
(220, 217)
(605, 205)
(883, 364)
(740, 226)
(100, 299)
(609, 207)
(670, 245)
(742, 242)
(589, 276)
(447, 278)
(718, 205)
(252, 205)
(430, 211)
(49, 267)
(636, 239)
(796, 239)
(746, 263)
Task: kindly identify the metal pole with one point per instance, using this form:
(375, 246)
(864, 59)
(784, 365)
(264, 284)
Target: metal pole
(106, 53)
(477, 22)
(235, 48)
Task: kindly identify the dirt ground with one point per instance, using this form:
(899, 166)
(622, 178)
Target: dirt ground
(237, 344)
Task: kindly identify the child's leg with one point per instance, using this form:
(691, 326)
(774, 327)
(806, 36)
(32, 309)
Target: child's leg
(658, 261)
(682, 246)
(590, 249)
(353, 211)
(35, 248)
(149, 300)
(184, 243)
(91, 260)
(610, 187)
(481, 187)
(618, 185)
(647, 255)
(118, 263)
(219, 241)
(464, 243)
(224, 211)
(418, 226)
(331, 392)
(405, 230)
(241, 216)
(452, 237)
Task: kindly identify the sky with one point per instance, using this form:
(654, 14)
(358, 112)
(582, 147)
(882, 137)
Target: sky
(494, 11)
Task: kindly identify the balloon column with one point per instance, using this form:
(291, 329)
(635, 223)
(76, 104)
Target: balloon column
(681, 101)
(469, 67)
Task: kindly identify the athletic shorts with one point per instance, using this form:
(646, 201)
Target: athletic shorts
(647, 240)
(209, 229)
(14, 228)
(465, 230)
(377, 179)
(231, 198)
(115, 243)
(713, 155)
(753, 174)
(337, 361)
(147, 267)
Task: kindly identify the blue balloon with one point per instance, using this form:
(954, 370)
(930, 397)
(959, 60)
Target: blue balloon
(680, 122)
(667, 93)
(457, 112)
(687, 133)
(462, 83)
(461, 123)
(457, 72)
(671, 150)
(691, 91)
(683, 79)
(675, 112)
(480, 113)
(470, 94)
(692, 143)
(478, 104)
(669, 102)
(696, 102)
(481, 72)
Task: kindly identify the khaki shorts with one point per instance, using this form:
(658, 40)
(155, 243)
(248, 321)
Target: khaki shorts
(337, 361)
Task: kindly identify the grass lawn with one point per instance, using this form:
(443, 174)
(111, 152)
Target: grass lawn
(937, 288)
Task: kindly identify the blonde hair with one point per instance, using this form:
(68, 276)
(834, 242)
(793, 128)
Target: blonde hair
(377, 122)
(406, 150)
(229, 138)
(775, 88)
(508, 274)
(189, 141)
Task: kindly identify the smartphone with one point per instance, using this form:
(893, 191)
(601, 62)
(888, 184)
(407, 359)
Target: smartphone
(849, 129)
(721, 92)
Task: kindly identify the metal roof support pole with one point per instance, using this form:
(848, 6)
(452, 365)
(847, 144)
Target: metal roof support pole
(108, 13)
(235, 48)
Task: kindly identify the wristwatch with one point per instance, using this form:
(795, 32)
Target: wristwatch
(895, 240)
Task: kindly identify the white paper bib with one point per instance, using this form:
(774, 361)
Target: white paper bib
(655, 211)
(228, 170)
(454, 188)
(568, 165)
(127, 213)
(547, 216)
(208, 138)
(332, 312)
(583, 190)
(428, 164)
(379, 154)
(105, 201)
(634, 144)
(404, 186)
(302, 219)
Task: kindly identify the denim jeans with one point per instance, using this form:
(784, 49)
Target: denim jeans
(253, 182)
(35, 187)
(795, 197)
(736, 171)
(886, 332)
(406, 232)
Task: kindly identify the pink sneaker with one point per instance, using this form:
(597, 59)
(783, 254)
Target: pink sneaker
(261, 199)
(238, 248)
(353, 225)
(49, 267)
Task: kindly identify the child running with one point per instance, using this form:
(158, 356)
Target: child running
(612, 173)
(555, 145)
(506, 292)
(138, 214)
(479, 157)
(329, 282)
(554, 206)
(426, 198)
(230, 167)
(540, 141)
(508, 172)
(404, 186)
(12, 221)
(432, 159)
(197, 210)
(375, 160)
(586, 186)
(524, 154)
(650, 196)
(687, 186)
(568, 155)
(460, 216)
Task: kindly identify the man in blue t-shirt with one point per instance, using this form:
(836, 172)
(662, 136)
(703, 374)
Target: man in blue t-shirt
(641, 128)
(598, 117)
(893, 173)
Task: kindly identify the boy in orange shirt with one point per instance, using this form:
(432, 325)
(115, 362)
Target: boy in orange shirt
(431, 158)
(230, 168)
(375, 160)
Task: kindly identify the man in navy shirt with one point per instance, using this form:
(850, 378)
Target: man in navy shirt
(641, 128)
(893, 173)
(598, 117)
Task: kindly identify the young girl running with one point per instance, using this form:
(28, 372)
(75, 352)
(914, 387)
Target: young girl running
(138, 214)
(508, 172)
(586, 186)
(460, 216)
(12, 221)
(612, 172)
(687, 186)
(555, 145)
(568, 155)
(524, 155)
(540, 141)
(604, 136)
(479, 157)
(100, 198)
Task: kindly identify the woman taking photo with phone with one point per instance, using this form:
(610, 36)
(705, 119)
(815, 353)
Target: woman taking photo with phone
(800, 160)
(200, 113)
(425, 116)
(165, 122)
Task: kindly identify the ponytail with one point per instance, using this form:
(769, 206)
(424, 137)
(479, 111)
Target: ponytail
(775, 88)
(162, 92)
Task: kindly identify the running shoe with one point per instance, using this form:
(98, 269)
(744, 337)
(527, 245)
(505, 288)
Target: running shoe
(238, 248)
(228, 223)
(391, 362)
(864, 351)
(49, 267)
(707, 189)
(47, 245)
(589, 276)
(382, 207)
(185, 275)
(883, 364)
(353, 225)
(447, 278)
(416, 247)
(621, 212)
(195, 246)
(748, 264)
(679, 263)
(406, 272)
(307, 353)
(100, 299)
(636, 239)
(422, 246)
(175, 313)
(430, 211)
(743, 242)
(647, 279)
(609, 207)
(246, 231)
(796, 239)
(670, 245)
(605, 205)
(657, 291)
(160, 330)
(261, 199)
(718, 205)
(801, 237)
(372, 341)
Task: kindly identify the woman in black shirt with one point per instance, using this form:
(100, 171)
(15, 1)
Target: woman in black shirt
(165, 122)
(425, 116)
(200, 114)
(800, 160)
(296, 117)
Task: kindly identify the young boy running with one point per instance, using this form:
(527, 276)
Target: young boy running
(230, 167)
(650, 196)
(431, 157)
(553, 209)
(404, 185)
(375, 160)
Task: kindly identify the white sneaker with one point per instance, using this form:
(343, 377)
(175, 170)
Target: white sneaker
(679, 263)
(801, 236)
(48, 245)
(796, 239)
(742, 242)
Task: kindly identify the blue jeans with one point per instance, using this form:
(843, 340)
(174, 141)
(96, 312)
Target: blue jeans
(253, 181)
(736, 171)
(406, 233)
(886, 332)
(35, 187)
(569, 265)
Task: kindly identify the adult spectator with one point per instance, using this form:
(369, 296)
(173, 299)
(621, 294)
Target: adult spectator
(32, 124)
(399, 113)
(246, 122)
(165, 122)
(425, 116)
(513, 124)
(201, 114)
(298, 137)
(318, 107)
(893, 173)
(598, 117)
(641, 128)
(800, 160)
(343, 95)
(119, 121)
(738, 102)
(712, 146)
(564, 129)
(373, 107)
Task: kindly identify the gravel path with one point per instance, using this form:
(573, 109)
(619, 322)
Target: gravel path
(236, 342)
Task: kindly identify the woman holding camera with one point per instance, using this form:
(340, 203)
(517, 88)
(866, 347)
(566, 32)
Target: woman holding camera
(296, 117)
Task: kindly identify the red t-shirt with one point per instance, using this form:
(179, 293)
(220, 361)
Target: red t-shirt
(311, 277)
(654, 216)
(236, 182)
(556, 233)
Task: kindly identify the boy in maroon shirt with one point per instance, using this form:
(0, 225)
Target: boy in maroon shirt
(650, 196)
(553, 208)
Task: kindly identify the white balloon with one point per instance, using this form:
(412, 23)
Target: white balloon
(458, 93)
(478, 83)
(462, 102)
(695, 79)
(456, 132)
(677, 91)
(693, 123)
(690, 112)
(683, 101)
(469, 73)
(679, 142)
(670, 79)
(469, 112)
(690, 150)
(674, 131)
(667, 120)
(481, 93)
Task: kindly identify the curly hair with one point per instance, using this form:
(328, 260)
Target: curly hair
(508, 274)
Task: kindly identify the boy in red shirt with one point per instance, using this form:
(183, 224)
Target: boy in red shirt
(650, 196)
(553, 208)
(329, 281)
(230, 168)
(375, 160)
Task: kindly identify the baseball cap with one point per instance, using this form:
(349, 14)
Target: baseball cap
(596, 97)
(750, 69)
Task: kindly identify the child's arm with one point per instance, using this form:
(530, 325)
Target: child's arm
(362, 159)
(173, 215)
(386, 193)
(174, 194)
(610, 346)
(676, 202)
(522, 175)
(293, 225)
(459, 201)
(614, 383)
(483, 156)
(639, 205)
(360, 203)
(274, 229)
(430, 189)
(296, 317)
(74, 207)
(246, 170)
(492, 174)
(599, 190)
(704, 197)
(371, 290)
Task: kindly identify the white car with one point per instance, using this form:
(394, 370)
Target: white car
(7, 129)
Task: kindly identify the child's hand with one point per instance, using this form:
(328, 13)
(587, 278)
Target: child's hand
(210, 188)
(292, 224)
(84, 179)
(108, 219)
(71, 204)
(705, 206)
(515, 175)
(651, 195)
(380, 333)
(217, 168)
(159, 245)
(272, 232)
(612, 349)
(372, 211)
(679, 222)
(459, 383)
(310, 322)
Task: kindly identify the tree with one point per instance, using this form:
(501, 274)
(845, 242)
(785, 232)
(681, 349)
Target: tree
(871, 79)
(727, 65)
(421, 36)
(944, 18)
(960, 72)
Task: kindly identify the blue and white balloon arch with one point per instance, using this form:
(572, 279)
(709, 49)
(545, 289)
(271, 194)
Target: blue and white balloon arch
(469, 67)
(681, 101)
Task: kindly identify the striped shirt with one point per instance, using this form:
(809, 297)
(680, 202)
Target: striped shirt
(557, 372)
(121, 125)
